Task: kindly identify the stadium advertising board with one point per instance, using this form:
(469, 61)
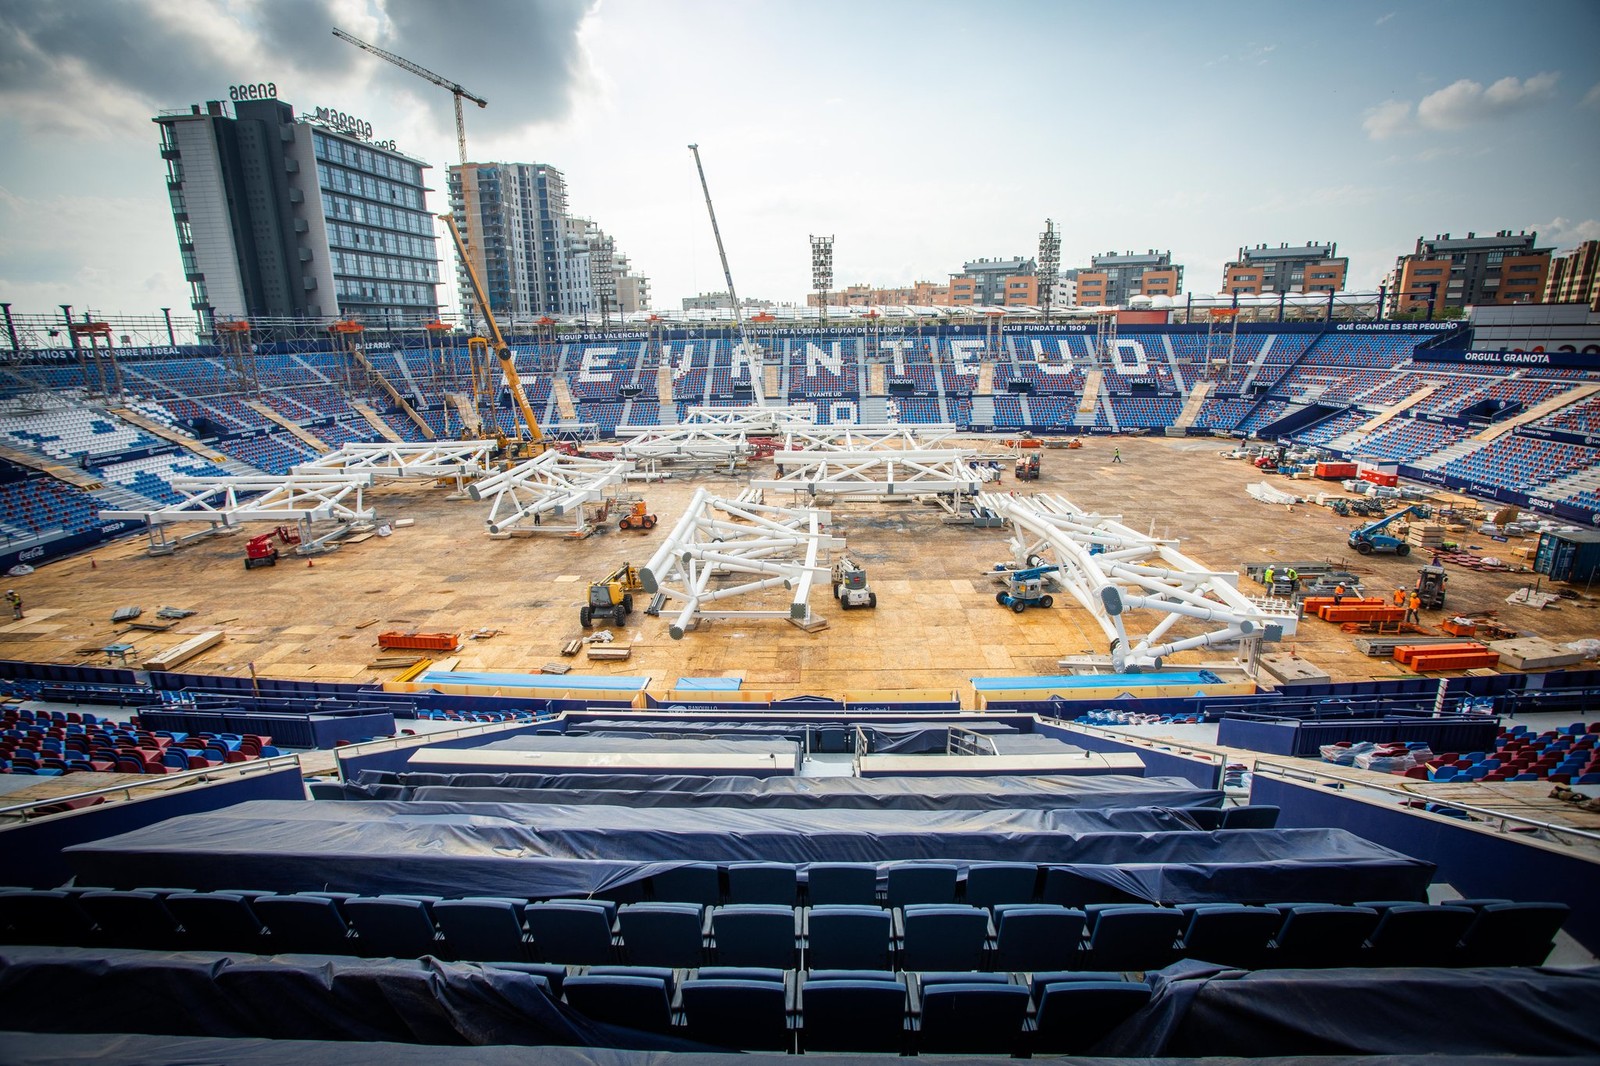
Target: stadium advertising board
(1554, 360)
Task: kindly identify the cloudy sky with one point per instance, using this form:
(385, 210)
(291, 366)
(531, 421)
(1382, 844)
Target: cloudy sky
(919, 134)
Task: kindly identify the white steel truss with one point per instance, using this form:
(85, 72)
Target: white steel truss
(874, 474)
(772, 546)
(224, 502)
(865, 438)
(1111, 569)
(554, 486)
(711, 434)
(386, 459)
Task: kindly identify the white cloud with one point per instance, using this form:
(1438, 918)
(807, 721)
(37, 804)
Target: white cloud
(1385, 18)
(1466, 102)
(1389, 119)
(1565, 233)
(1591, 99)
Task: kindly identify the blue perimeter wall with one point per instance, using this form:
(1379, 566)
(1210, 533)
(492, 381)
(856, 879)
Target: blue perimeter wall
(33, 849)
(1478, 863)
(1198, 771)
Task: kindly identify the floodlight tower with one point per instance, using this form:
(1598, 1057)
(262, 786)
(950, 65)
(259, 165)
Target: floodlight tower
(822, 272)
(1049, 266)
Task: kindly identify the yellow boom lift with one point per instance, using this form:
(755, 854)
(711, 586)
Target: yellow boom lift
(611, 596)
(535, 443)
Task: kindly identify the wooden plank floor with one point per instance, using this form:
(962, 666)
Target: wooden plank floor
(937, 624)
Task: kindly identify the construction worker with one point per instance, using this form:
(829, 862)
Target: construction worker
(1400, 597)
(16, 603)
(1267, 579)
(1116, 455)
(1411, 608)
(1338, 594)
(1294, 576)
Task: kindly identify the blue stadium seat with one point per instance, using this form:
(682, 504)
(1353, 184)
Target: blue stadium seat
(763, 882)
(574, 932)
(944, 936)
(484, 929)
(663, 934)
(1416, 934)
(393, 928)
(1131, 936)
(44, 917)
(699, 882)
(1230, 934)
(132, 919)
(972, 1017)
(1322, 934)
(1036, 936)
(921, 882)
(840, 937)
(754, 934)
(1512, 934)
(1074, 1016)
(992, 883)
(634, 997)
(747, 1014)
(306, 924)
(218, 921)
(842, 883)
(1255, 816)
(853, 1012)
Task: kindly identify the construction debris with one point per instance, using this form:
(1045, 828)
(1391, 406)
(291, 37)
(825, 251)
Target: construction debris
(182, 653)
(610, 654)
(572, 647)
(557, 668)
(394, 662)
(173, 612)
(1267, 493)
(126, 614)
(1527, 597)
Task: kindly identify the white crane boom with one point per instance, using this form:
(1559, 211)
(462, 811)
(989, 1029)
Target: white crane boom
(756, 385)
(451, 87)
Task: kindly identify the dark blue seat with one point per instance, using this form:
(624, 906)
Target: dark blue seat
(1204, 818)
(853, 1013)
(573, 932)
(1416, 934)
(663, 934)
(745, 1014)
(763, 882)
(754, 934)
(218, 921)
(842, 884)
(44, 917)
(1036, 936)
(1255, 816)
(992, 883)
(1230, 934)
(635, 997)
(971, 1017)
(944, 936)
(1322, 934)
(553, 976)
(1074, 1016)
(1131, 936)
(1043, 979)
(848, 938)
(1512, 934)
(921, 882)
(392, 927)
(483, 929)
(306, 924)
(696, 882)
(132, 919)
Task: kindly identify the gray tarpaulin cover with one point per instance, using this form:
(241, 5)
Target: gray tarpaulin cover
(1200, 1009)
(696, 745)
(29, 1049)
(903, 793)
(534, 850)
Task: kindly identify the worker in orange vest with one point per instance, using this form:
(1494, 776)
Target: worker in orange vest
(1411, 608)
(1338, 594)
(1399, 597)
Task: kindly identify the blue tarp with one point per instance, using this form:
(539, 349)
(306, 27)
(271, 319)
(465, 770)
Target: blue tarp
(536, 850)
(576, 682)
(1121, 682)
(709, 684)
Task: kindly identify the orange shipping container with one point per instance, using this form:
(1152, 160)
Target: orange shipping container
(420, 641)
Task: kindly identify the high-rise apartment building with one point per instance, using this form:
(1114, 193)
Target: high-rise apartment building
(1575, 277)
(286, 217)
(1472, 270)
(1310, 267)
(995, 283)
(533, 256)
(1113, 278)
